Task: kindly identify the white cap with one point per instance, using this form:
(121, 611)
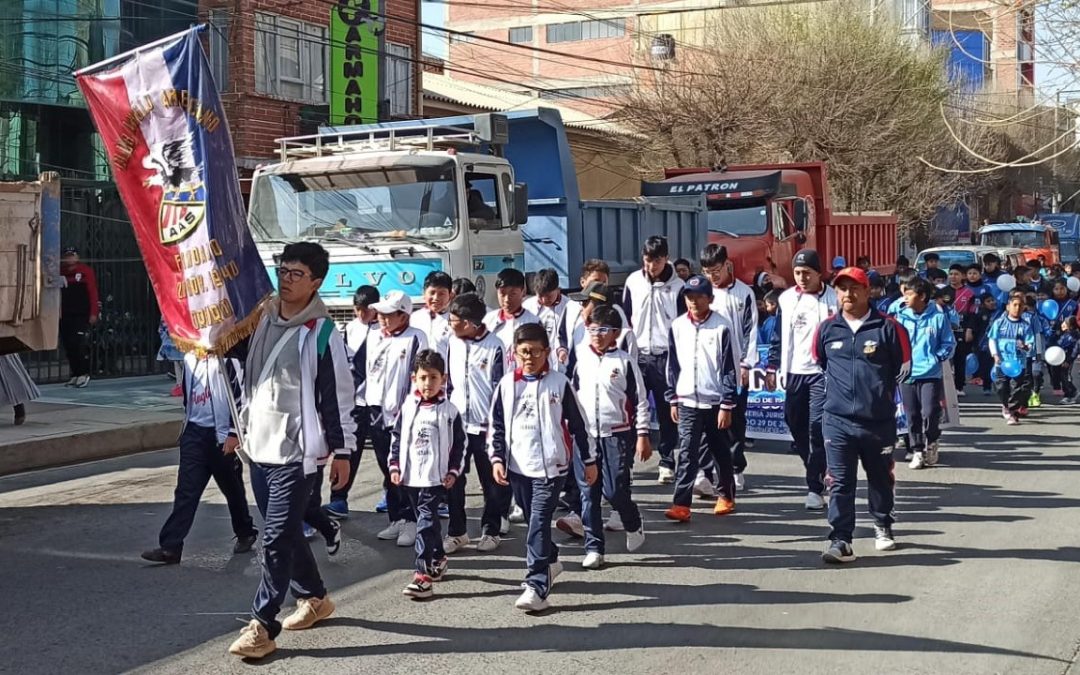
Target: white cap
(394, 301)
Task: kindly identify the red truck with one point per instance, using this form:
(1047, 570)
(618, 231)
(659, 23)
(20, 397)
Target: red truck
(765, 213)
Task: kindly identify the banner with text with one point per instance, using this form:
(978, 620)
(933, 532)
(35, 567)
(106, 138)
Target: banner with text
(160, 117)
(356, 43)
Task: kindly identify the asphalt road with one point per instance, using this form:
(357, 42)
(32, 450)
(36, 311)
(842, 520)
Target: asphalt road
(986, 579)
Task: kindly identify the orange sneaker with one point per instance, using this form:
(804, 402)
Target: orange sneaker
(723, 507)
(678, 513)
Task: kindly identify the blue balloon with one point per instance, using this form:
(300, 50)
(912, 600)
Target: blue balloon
(971, 365)
(1049, 309)
(1011, 368)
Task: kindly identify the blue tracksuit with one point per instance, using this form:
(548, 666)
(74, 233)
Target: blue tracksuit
(932, 340)
(1012, 339)
(862, 369)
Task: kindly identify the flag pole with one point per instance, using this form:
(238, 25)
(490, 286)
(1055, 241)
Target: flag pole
(93, 68)
(238, 423)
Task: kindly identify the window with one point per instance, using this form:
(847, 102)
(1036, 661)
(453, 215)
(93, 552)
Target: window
(219, 47)
(462, 38)
(603, 91)
(399, 80)
(290, 58)
(521, 35)
(585, 30)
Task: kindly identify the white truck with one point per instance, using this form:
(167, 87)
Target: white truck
(392, 205)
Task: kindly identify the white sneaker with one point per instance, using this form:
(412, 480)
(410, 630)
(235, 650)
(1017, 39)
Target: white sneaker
(666, 476)
(917, 461)
(71, 382)
(635, 540)
(883, 538)
(593, 560)
(703, 487)
(455, 544)
(814, 502)
(517, 515)
(740, 482)
(614, 523)
(530, 601)
(504, 526)
(931, 454)
(82, 381)
(571, 524)
(391, 532)
(488, 543)
(408, 534)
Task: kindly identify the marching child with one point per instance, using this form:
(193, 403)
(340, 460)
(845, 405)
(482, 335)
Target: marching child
(1069, 340)
(536, 421)
(426, 452)
(432, 319)
(768, 325)
(504, 321)
(1011, 338)
(612, 395)
(391, 353)
(932, 343)
(702, 384)
(475, 368)
(976, 333)
(1043, 331)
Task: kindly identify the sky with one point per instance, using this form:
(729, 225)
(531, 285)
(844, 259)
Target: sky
(434, 13)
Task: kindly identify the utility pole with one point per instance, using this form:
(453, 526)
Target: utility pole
(1055, 201)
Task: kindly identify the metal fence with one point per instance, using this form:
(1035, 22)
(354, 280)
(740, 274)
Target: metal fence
(125, 340)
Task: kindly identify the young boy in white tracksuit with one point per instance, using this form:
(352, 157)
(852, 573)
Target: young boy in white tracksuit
(425, 459)
(536, 421)
(433, 319)
(612, 396)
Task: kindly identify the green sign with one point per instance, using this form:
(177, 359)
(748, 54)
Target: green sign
(356, 46)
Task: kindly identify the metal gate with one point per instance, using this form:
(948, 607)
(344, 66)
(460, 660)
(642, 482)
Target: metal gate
(125, 340)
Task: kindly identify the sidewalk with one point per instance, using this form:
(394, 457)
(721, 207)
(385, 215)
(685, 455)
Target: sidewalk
(108, 418)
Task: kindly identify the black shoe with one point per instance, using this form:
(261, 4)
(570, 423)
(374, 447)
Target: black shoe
(333, 543)
(244, 544)
(838, 552)
(160, 555)
(20, 414)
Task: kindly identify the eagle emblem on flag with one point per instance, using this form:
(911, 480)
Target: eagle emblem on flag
(183, 198)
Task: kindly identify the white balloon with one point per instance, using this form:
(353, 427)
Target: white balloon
(1074, 284)
(1055, 356)
(1006, 282)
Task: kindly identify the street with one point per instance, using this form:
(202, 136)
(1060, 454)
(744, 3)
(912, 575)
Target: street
(986, 578)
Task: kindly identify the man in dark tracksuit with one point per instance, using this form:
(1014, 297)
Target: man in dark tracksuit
(78, 311)
(864, 355)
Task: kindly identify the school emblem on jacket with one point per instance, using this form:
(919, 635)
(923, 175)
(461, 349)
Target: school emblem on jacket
(836, 345)
(615, 373)
(869, 347)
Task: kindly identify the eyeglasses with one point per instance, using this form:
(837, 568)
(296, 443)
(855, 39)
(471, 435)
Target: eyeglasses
(291, 273)
(601, 330)
(527, 353)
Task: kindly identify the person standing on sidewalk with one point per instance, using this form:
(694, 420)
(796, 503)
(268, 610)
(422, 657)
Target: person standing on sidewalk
(207, 450)
(16, 387)
(79, 309)
(651, 301)
(300, 401)
(865, 356)
(791, 366)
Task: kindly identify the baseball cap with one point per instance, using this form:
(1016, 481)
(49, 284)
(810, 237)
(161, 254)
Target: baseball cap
(394, 301)
(807, 257)
(70, 250)
(594, 292)
(856, 274)
(838, 262)
(698, 284)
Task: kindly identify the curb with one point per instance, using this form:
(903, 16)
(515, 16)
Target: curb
(84, 447)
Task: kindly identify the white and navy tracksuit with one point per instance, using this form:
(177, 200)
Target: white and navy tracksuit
(357, 333)
(932, 342)
(612, 396)
(207, 423)
(386, 383)
(702, 380)
(798, 314)
(536, 421)
(503, 325)
(738, 305)
(551, 318)
(476, 366)
(427, 445)
(864, 361)
(651, 305)
(435, 326)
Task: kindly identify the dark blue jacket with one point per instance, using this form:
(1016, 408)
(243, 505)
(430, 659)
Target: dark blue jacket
(862, 369)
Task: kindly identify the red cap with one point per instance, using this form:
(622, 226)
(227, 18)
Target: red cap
(856, 274)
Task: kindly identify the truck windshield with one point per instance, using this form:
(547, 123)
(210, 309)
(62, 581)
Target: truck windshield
(947, 259)
(1014, 239)
(748, 220)
(385, 202)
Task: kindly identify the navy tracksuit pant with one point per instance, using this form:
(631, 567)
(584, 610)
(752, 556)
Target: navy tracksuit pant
(922, 403)
(200, 460)
(425, 503)
(654, 372)
(847, 443)
(363, 423)
(496, 497)
(538, 497)
(697, 429)
(282, 492)
(804, 404)
(397, 502)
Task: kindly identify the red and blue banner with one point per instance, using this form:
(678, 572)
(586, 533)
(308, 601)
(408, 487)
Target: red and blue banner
(160, 117)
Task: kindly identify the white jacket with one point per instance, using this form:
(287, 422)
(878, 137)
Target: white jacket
(738, 306)
(798, 315)
(475, 368)
(388, 376)
(436, 328)
(551, 319)
(651, 307)
(428, 441)
(701, 363)
(611, 392)
(503, 327)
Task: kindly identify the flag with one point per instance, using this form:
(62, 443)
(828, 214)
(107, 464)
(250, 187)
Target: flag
(160, 117)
